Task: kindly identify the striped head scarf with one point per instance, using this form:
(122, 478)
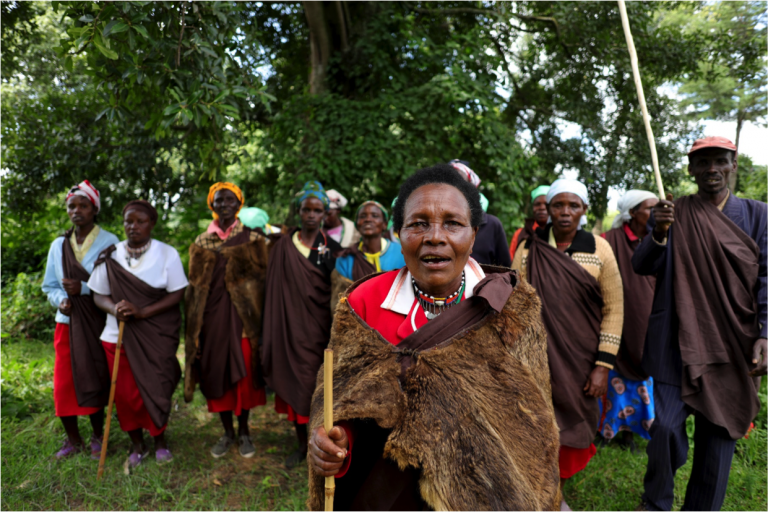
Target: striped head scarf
(380, 206)
(224, 185)
(465, 171)
(88, 191)
(313, 189)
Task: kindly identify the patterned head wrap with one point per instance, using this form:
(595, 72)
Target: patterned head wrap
(564, 185)
(88, 191)
(465, 171)
(313, 189)
(541, 190)
(378, 205)
(224, 185)
(337, 200)
(140, 204)
(628, 201)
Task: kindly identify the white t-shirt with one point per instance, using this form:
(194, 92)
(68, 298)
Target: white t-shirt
(159, 267)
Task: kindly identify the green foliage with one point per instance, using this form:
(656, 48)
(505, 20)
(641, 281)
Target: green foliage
(27, 383)
(731, 84)
(753, 180)
(26, 311)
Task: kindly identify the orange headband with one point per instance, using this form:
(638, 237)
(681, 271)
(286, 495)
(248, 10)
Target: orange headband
(224, 185)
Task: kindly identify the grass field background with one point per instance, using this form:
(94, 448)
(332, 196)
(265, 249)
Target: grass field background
(32, 479)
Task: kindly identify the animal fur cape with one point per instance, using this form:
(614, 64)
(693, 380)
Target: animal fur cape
(473, 414)
(245, 279)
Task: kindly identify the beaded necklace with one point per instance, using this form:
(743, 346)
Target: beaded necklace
(136, 254)
(433, 306)
(321, 249)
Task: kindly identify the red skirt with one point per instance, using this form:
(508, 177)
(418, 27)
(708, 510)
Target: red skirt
(242, 396)
(131, 411)
(282, 407)
(64, 397)
(573, 460)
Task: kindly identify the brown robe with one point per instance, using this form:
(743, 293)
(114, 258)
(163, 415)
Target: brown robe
(572, 311)
(458, 416)
(150, 343)
(638, 300)
(90, 370)
(297, 323)
(224, 301)
(715, 270)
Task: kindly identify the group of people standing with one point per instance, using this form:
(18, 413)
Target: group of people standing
(552, 340)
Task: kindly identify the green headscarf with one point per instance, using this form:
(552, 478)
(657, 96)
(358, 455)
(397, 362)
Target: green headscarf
(541, 190)
(253, 217)
(377, 204)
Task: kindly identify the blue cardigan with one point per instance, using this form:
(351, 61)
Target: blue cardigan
(391, 259)
(54, 271)
(661, 357)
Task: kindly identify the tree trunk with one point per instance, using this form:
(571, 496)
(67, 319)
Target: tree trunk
(733, 178)
(320, 45)
(598, 229)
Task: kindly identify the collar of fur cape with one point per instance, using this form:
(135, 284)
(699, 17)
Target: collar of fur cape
(245, 279)
(474, 414)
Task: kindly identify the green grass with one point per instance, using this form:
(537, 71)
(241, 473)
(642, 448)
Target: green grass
(33, 480)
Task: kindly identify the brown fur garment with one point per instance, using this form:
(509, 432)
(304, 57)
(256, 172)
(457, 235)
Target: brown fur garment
(339, 285)
(245, 279)
(474, 414)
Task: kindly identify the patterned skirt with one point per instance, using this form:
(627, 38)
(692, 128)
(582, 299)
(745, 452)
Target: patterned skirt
(627, 407)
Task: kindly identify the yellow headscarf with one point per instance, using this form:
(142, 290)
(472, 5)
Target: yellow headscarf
(224, 185)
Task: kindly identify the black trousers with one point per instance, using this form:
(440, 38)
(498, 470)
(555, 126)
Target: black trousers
(668, 450)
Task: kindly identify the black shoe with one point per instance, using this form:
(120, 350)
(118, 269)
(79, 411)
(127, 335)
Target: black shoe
(627, 445)
(295, 459)
(600, 441)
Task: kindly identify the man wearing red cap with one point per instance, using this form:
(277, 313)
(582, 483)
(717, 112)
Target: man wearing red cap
(706, 339)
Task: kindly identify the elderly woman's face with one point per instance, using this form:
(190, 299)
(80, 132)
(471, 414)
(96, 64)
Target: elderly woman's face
(311, 211)
(437, 237)
(80, 210)
(566, 210)
(138, 227)
(226, 205)
(370, 221)
(540, 213)
(642, 212)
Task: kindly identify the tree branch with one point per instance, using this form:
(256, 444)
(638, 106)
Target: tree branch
(181, 34)
(488, 12)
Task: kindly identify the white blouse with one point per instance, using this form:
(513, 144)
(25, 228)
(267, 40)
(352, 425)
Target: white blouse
(159, 267)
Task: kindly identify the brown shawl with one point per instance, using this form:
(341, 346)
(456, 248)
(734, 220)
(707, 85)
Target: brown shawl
(223, 301)
(457, 416)
(638, 300)
(89, 362)
(572, 311)
(715, 267)
(150, 343)
(361, 266)
(297, 323)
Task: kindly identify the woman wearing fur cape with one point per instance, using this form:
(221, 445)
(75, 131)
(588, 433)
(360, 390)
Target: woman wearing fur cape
(443, 411)
(227, 273)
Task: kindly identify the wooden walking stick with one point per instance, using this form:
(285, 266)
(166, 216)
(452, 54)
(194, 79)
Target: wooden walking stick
(641, 96)
(330, 481)
(115, 366)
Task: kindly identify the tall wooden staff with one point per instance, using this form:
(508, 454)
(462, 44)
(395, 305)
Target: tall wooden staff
(111, 401)
(641, 96)
(330, 481)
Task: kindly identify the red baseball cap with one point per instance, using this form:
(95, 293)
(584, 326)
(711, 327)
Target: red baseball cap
(712, 142)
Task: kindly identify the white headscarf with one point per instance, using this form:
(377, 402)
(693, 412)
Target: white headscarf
(630, 200)
(337, 200)
(564, 185)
